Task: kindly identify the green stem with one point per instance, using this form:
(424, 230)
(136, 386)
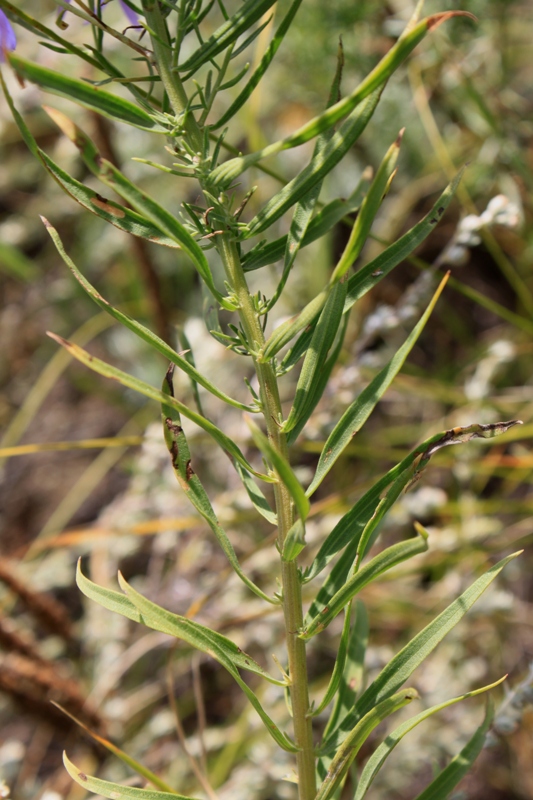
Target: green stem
(170, 79)
(292, 597)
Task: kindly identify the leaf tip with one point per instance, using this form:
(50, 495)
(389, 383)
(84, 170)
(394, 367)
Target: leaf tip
(45, 222)
(59, 339)
(399, 137)
(433, 21)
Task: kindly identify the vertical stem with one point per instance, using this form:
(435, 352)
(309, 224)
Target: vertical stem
(170, 78)
(292, 597)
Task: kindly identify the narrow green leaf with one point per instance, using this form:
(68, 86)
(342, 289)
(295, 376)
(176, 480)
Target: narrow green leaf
(115, 791)
(140, 330)
(369, 209)
(189, 357)
(356, 415)
(155, 394)
(294, 541)
(121, 217)
(315, 358)
(153, 616)
(352, 677)
(399, 669)
(257, 497)
(348, 530)
(262, 67)
(287, 330)
(330, 215)
(249, 13)
(283, 468)
(377, 566)
(158, 216)
(320, 382)
(110, 105)
(377, 269)
(228, 172)
(178, 448)
(340, 663)
(378, 757)
(158, 618)
(356, 738)
(448, 779)
(320, 166)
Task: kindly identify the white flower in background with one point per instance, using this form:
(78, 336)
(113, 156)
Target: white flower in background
(480, 383)
(500, 211)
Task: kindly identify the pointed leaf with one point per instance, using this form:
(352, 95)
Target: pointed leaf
(155, 394)
(369, 209)
(315, 172)
(158, 618)
(330, 215)
(140, 330)
(356, 738)
(249, 13)
(257, 497)
(110, 105)
(262, 67)
(378, 757)
(115, 791)
(228, 172)
(377, 269)
(381, 563)
(356, 415)
(153, 616)
(315, 358)
(121, 217)
(283, 468)
(348, 530)
(399, 669)
(448, 779)
(190, 483)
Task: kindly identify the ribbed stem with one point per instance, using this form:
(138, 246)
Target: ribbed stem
(292, 598)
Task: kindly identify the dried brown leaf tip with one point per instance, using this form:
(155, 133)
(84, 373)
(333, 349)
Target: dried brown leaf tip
(435, 20)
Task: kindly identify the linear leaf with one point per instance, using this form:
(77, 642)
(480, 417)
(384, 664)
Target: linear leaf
(249, 12)
(287, 330)
(155, 394)
(226, 173)
(283, 468)
(399, 669)
(116, 791)
(110, 105)
(228, 655)
(369, 209)
(448, 779)
(196, 635)
(378, 757)
(257, 497)
(121, 217)
(320, 166)
(356, 415)
(165, 222)
(320, 382)
(377, 269)
(381, 563)
(140, 330)
(349, 528)
(356, 738)
(329, 216)
(178, 447)
(262, 67)
(352, 677)
(340, 663)
(315, 358)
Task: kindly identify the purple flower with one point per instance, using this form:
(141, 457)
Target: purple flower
(8, 40)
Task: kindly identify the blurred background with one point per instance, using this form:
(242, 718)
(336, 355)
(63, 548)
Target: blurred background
(84, 471)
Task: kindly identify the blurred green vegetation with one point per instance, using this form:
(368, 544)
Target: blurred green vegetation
(465, 96)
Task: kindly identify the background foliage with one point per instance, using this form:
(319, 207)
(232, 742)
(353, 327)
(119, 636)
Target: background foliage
(466, 97)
